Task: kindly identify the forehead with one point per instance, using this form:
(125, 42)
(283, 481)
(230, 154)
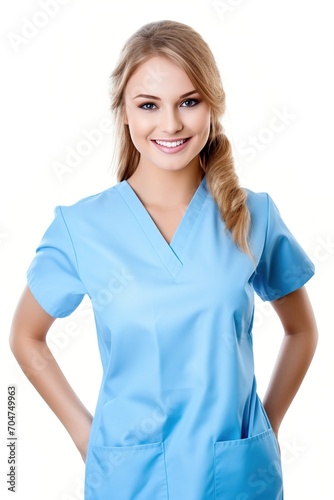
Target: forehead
(159, 74)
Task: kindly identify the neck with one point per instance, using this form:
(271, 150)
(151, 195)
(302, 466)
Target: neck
(166, 187)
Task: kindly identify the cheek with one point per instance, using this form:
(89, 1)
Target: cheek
(205, 118)
(200, 123)
(139, 125)
(203, 124)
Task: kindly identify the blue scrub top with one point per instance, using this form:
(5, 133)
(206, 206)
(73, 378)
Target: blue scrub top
(178, 416)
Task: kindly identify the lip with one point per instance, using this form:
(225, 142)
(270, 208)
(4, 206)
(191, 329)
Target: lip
(172, 140)
(167, 150)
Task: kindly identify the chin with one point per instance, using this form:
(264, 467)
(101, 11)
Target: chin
(171, 168)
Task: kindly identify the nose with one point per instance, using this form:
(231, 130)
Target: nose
(170, 121)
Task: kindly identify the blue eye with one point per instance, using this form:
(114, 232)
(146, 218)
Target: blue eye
(147, 106)
(193, 101)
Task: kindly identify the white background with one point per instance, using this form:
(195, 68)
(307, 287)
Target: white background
(274, 57)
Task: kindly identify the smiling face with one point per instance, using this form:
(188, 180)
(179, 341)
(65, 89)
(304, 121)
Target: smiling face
(169, 123)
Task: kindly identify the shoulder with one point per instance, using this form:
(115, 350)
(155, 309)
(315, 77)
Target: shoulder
(258, 203)
(91, 206)
(263, 213)
(255, 198)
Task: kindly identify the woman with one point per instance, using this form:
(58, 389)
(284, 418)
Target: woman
(170, 257)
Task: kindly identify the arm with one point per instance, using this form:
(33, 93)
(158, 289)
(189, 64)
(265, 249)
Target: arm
(295, 355)
(28, 343)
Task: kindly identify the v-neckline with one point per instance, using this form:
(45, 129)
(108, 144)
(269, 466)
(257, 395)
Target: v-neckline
(171, 254)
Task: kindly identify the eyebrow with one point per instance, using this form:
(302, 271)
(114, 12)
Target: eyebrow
(146, 96)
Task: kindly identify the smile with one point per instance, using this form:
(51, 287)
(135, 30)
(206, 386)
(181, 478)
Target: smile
(173, 144)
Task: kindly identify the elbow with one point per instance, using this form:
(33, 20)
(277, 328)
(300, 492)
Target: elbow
(312, 333)
(14, 343)
(315, 337)
(310, 340)
(17, 339)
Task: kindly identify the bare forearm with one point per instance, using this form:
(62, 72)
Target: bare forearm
(41, 368)
(294, 358)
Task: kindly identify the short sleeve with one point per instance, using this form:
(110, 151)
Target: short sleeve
(284, 266)
(53, 276)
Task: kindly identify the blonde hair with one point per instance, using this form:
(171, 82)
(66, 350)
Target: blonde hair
(184, 46)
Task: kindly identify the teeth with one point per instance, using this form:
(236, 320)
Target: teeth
(171, 144)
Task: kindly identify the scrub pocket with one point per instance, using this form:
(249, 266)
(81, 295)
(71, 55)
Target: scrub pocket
(126, 472)
(247, 469)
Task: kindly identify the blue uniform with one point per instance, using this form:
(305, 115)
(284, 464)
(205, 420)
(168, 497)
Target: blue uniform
(178, 416)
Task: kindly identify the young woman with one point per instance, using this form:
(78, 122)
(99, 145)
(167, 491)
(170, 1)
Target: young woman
(170, 257)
